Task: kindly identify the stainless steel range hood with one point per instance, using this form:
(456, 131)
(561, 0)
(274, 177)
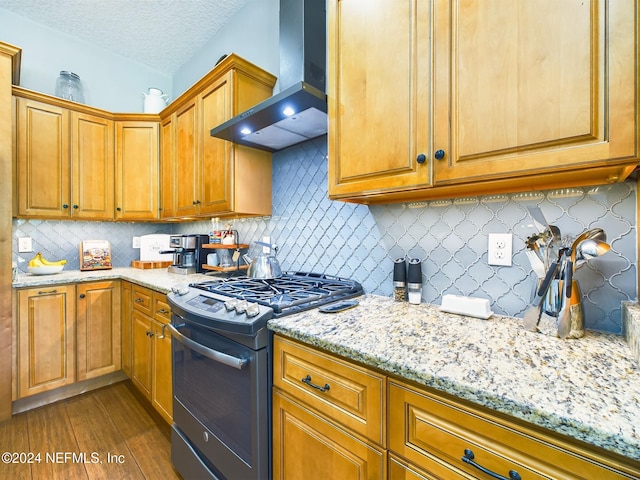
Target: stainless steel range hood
(299, 112)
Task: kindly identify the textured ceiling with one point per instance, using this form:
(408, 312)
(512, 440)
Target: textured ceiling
(162, 34)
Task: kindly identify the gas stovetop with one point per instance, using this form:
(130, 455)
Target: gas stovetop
(243, 305)
(287, 294)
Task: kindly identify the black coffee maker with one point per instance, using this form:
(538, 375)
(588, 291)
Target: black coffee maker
(188, 253)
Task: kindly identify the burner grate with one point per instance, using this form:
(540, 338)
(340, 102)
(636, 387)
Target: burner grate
(291, 292)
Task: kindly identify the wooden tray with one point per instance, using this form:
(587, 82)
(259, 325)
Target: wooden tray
(145, 264)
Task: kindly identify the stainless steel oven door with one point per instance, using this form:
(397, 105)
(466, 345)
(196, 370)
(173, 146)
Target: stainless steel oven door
(221, 404)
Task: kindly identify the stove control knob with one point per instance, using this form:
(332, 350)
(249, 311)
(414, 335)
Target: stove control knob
(241, 306)
(230, 305)
(253, 309)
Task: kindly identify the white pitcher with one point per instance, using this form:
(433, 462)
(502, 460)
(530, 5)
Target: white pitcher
(154, 101)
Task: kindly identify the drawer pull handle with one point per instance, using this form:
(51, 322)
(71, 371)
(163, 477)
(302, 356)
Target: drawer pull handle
(51, 292)
(162, 311)
(307, 380)
(468, 458)
(138, 300)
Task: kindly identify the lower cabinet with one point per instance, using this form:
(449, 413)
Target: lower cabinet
(333, 418)
(98, 328)
(65, 334)
(445, 438)
(46, 339)
(307, 445)
(150, 348)
(328, 416)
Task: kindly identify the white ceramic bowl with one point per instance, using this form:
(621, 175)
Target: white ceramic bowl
(46, 270)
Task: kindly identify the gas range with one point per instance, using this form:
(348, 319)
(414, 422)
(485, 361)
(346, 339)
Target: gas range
(242, 305)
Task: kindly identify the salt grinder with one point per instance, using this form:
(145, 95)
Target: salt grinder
(399, 280)
(414, 281)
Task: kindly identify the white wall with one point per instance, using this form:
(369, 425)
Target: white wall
(252, 33)
(110, 81)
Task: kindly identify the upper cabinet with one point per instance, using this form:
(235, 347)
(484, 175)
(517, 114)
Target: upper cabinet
(205, 176)
(464, 98)
(79, 162)
(65, 162)
(137, 170)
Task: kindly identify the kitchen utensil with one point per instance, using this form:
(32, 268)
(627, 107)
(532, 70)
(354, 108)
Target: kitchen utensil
(400, 280)
(536, 263)
(533, 313)
(590, 248)
(264, 266)
(564, 317)
(414, 281)
(594, 233)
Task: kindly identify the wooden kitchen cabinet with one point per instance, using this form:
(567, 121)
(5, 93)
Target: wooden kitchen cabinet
(151, 368)
(46, 339)
(328, 415)
(205, 176)
(305, 443)
(167, 169)
(556, 108)
(126, 326)
(64, 161)
(137, 149)
(98, 329)
(434, 433)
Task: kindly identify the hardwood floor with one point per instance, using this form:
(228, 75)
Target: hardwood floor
(108, 433)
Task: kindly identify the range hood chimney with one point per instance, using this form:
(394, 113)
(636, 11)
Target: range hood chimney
(299, 112)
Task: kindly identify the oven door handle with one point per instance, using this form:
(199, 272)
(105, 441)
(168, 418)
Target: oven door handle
(214, 355)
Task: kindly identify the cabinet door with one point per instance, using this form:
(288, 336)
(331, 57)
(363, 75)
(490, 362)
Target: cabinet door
(92, 171)
(379, 94)
(522, 87)
(141, 366)
(126, 327)
(306, 446)
(186, 151)
(136, 170)
(42, 148)
(216, 168)
(162, 387)
(46, 339)
(167, 169)
(98, 328)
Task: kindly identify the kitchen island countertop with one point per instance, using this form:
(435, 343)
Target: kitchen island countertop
(588, 388)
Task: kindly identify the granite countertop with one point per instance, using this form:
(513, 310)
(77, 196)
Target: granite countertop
(588, 388)
(157, 279)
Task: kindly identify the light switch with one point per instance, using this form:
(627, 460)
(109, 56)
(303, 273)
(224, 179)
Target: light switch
(25, 245)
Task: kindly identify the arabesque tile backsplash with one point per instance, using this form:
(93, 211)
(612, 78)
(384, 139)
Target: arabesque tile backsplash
(360, 242)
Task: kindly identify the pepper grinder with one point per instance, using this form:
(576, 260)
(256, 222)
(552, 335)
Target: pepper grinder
(414, 281)
(399, 280)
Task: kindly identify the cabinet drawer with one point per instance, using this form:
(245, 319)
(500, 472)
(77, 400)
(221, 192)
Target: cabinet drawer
(161, 308)
(342, 391)
(142, 299)
(428, 431)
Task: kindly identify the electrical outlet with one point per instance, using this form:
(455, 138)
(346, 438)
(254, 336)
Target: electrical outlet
(266, 239)
(135, 242)
(500, 249)
(25, 245)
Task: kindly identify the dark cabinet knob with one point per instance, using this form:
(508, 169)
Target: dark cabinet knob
(439, 155)
(75, 207)
(118, 209)
(65, 206)
(82, 295)
(421, 158)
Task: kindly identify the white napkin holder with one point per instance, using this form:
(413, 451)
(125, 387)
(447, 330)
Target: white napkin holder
(469, 306)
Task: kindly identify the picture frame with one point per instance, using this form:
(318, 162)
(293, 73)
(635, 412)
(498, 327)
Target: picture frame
(95, 255)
